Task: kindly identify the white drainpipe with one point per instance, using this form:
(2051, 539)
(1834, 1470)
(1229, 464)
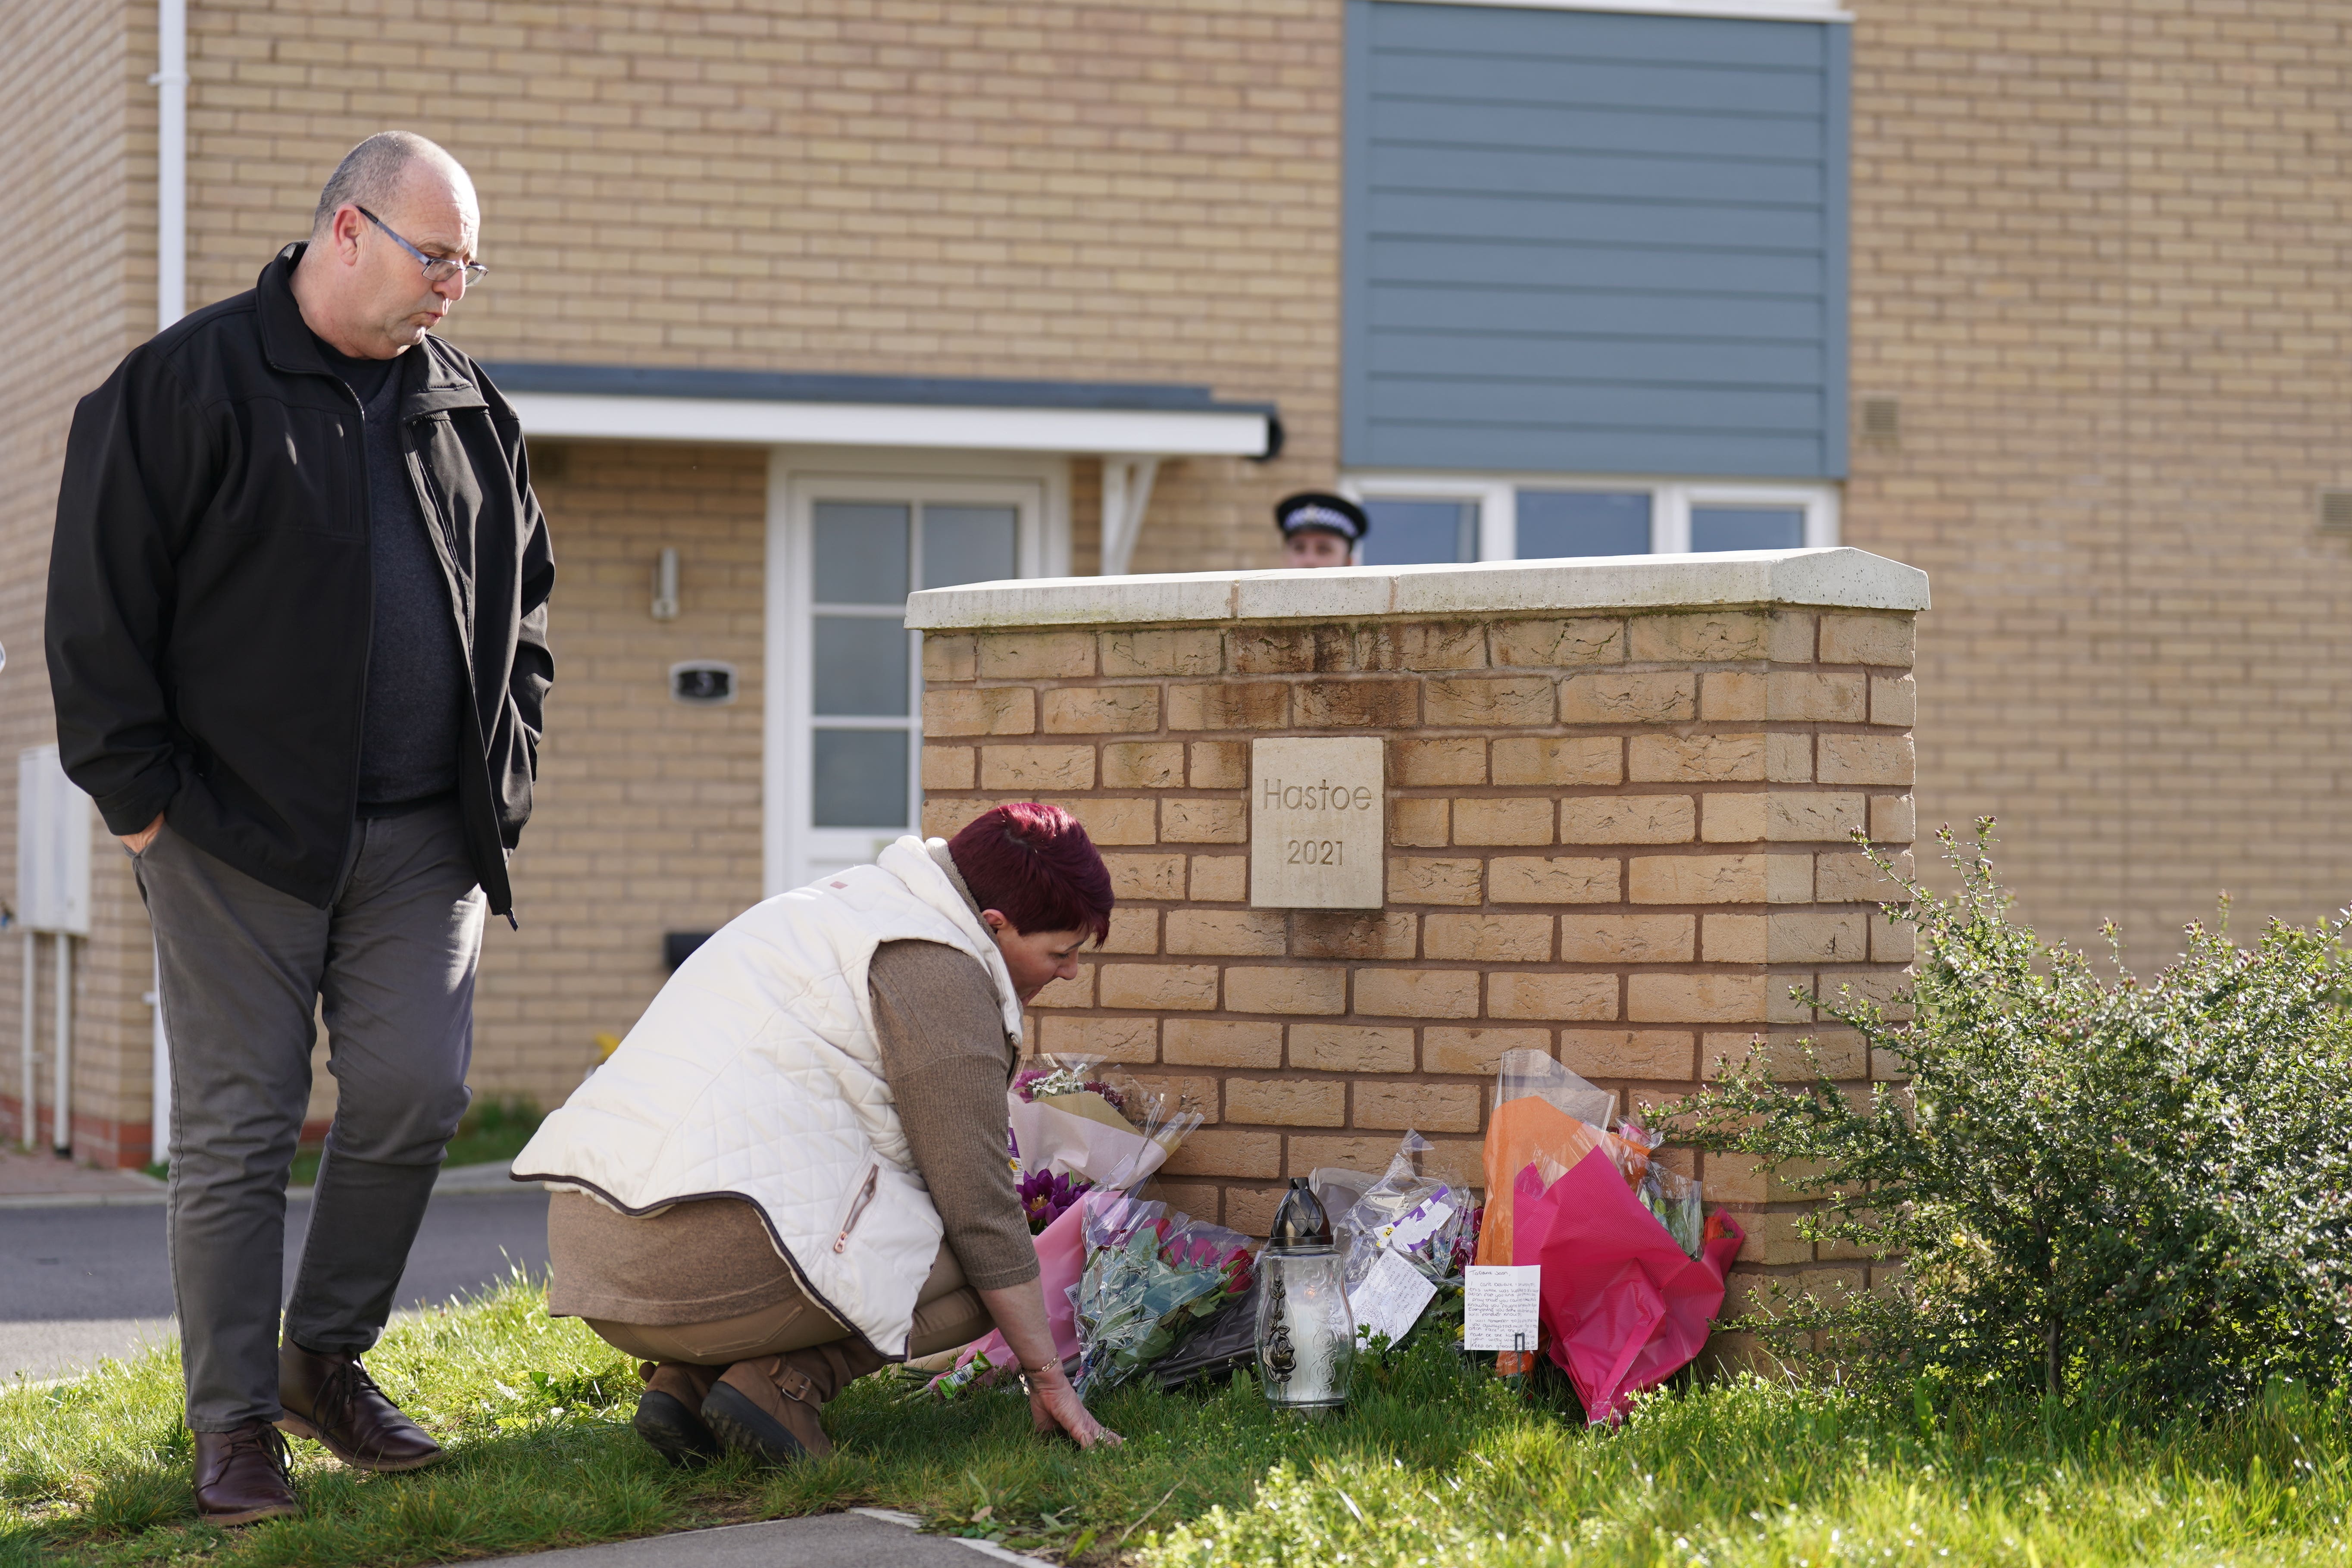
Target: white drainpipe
(159, 1148)
(171, 162)
(29, 1137)
(170, 303)
(61, 1114)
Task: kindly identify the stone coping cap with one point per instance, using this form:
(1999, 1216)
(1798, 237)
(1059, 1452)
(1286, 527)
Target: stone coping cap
(1835, 578)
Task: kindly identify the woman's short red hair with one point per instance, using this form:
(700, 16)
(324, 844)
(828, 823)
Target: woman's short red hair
(1035, 865)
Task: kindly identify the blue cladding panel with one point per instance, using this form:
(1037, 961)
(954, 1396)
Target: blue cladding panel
(1579, 241)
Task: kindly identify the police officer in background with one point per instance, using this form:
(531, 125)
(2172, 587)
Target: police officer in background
(1319, 528)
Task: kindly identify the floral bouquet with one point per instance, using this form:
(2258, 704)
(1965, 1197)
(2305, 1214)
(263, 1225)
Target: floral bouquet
(1151, 1278)
(1417, 1216)
(1072, 1118)
(1545, 1115)
(1672, 1196)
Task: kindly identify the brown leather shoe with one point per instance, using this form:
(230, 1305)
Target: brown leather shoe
(767, 1408)
(669, 1411)
(330, 1399)
(241, 1476)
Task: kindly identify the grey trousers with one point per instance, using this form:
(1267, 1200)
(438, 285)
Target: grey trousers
(243, 968)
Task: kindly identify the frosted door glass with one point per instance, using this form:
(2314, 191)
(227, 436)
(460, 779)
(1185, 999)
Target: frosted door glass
(1419, 533)
(860, 778)
(859, 664)
(861, 553)
(1747, 528)
(1555, 524)
(969, 544)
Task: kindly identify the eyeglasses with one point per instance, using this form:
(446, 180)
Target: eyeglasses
(437, 269)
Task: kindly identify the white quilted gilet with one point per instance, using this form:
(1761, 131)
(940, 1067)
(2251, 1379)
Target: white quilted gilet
(756, 1073)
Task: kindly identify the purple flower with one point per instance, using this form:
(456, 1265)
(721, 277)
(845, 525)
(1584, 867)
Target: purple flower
(1045, 1195)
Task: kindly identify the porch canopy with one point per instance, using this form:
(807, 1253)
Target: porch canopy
(1132, 427)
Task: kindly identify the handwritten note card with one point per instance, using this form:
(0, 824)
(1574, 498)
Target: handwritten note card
(1501, 1303)
(1392, 1295)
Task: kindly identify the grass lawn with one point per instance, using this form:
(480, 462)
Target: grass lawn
(1428, 1466)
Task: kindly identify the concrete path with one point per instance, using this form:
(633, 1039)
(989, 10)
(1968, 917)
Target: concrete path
(87, 1281)
(38, 1175)
(859, 1538)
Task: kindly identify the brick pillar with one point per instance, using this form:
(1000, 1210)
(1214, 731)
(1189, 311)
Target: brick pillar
(1619, 798)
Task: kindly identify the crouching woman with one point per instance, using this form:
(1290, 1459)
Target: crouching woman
(793, 1171)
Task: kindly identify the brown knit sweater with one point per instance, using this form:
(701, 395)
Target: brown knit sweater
(947, 1060)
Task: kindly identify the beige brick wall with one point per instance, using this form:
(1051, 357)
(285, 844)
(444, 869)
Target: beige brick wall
(2098, 258)
(1085, 191)
(1618, 840)
(648, 811)
(77, 121)
(1090, 190)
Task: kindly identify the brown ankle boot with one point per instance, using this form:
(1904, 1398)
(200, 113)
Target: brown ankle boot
(768, 1407)
(668, 1412)
(330, 1399)
(241, 1476)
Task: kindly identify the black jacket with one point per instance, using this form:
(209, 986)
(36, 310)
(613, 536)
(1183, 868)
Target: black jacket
(210, 594)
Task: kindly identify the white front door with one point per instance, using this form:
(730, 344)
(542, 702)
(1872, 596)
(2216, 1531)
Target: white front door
(846, 677)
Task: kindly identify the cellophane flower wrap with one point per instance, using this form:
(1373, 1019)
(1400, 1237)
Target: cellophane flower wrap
(1544, 1111)
(1075, 1118)
(1151, 1278)
(1420, 1218)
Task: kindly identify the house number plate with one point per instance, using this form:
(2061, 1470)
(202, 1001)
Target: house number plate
(1317, 824)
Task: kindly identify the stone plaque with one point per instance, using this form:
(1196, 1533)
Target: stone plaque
(1318, 819)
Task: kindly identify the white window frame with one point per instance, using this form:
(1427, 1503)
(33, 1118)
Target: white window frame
(794, 850)
(1671, 501)
(1819, 503)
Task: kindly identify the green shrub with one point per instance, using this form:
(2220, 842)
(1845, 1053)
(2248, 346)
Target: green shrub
(2141, 1188)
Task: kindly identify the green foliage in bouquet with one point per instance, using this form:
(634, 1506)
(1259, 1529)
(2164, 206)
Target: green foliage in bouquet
(2141, 1189)
(1140, 1294)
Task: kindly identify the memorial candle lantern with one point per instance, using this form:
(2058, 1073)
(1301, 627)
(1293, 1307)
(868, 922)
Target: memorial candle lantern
(1306, 1330)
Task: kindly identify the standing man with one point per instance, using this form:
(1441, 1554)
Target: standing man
(298, 641)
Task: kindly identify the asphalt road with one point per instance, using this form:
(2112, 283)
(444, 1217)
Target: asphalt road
(77, 1284)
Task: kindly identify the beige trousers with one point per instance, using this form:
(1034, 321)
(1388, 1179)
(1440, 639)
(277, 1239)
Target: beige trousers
(948, 1313)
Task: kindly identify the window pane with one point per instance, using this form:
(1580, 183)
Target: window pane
(1554, 523)
(968, 545)
(860, 553)
(1747, 527)
(859, 664)
(861, 778)
(1419, 533)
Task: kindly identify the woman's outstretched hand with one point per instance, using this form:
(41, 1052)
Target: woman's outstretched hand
(1055, 1406)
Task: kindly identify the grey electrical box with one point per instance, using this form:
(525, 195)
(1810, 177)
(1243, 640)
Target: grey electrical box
(54, 822)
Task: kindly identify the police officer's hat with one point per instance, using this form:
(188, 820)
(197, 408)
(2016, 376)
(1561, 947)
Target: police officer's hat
(1316, 509)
